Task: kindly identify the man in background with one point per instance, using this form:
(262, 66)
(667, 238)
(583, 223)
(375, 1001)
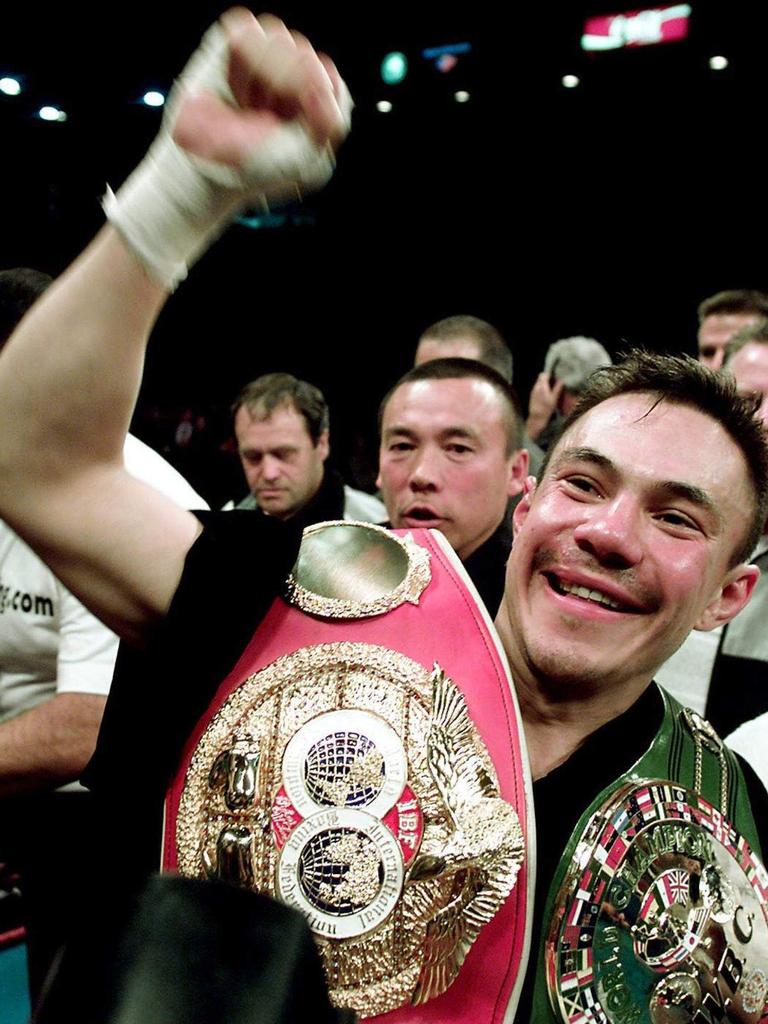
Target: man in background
(567, 366)
(469, 337)
(722, 315)
(723, 674)
(282, 430)
(450, 458)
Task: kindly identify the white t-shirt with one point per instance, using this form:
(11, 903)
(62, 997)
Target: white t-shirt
(49, 643)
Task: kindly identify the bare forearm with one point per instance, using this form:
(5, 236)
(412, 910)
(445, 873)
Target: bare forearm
(49, 745)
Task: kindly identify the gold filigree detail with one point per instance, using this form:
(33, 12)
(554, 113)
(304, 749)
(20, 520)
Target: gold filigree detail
(470, 850)
(705, 736)
(357, 565)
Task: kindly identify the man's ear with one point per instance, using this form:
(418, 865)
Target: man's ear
(323, 445)
(518, 470)
(734, 592)
(522, 508)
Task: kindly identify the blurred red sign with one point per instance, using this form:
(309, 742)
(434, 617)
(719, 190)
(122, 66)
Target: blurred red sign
(667, 24)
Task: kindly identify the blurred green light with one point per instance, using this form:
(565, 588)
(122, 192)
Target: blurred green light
(394, 68)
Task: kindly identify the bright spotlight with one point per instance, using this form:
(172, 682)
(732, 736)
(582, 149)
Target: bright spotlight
(718, 63)
(384, 106)
(153, 98)
(570, 81)
(462, 96)
(10, 86)
(51, 114)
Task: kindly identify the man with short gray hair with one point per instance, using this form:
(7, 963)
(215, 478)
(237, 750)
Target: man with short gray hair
(567, 366)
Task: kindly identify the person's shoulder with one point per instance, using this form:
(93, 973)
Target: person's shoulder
(363, 507)
(148, 465)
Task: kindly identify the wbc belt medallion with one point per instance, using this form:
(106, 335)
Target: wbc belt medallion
(662, 917)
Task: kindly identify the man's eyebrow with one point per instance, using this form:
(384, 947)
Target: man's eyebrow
(691, 493)
(456, 431)
(397, 429)
(583, 454)
(662, 488)
(467, 432)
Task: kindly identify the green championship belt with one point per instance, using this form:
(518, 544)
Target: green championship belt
(659, 909)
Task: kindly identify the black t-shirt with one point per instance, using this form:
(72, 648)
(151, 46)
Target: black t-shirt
(232, 573)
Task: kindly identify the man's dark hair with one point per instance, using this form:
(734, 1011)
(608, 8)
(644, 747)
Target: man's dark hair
(457, 369)
(20, 288)
(682, 380)
(492, 350)
(756, 333)
(737, 300)
(265, 394)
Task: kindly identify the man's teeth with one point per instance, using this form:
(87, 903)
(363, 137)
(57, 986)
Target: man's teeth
(587, 594)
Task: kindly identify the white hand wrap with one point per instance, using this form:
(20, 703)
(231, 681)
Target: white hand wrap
(175, 204)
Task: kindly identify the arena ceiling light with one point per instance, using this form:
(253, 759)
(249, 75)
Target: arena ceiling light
(10, 86)
(153, 98)
(50, 113)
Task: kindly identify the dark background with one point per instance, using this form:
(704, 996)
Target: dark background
(610, 210)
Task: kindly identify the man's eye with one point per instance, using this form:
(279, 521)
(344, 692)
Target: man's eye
(707, 351)
(673, 518)
(581, 484)
(458, 449)
(400, 446)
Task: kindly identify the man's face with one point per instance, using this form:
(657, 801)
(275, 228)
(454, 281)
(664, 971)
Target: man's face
(443, 460)
(750, 368)
(625, 546)
(456, 348)
(283, 467)
(716, 331)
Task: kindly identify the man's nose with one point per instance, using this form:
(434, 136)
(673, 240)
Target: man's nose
(425, 471)
(611, 532)
(270, 467)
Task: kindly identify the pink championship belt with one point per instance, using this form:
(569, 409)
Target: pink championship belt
(364, 762)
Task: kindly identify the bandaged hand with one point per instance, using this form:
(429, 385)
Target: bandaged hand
(255, 117)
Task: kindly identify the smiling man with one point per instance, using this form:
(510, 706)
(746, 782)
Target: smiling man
(649, 890)
(629, 540)
(450, 459)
